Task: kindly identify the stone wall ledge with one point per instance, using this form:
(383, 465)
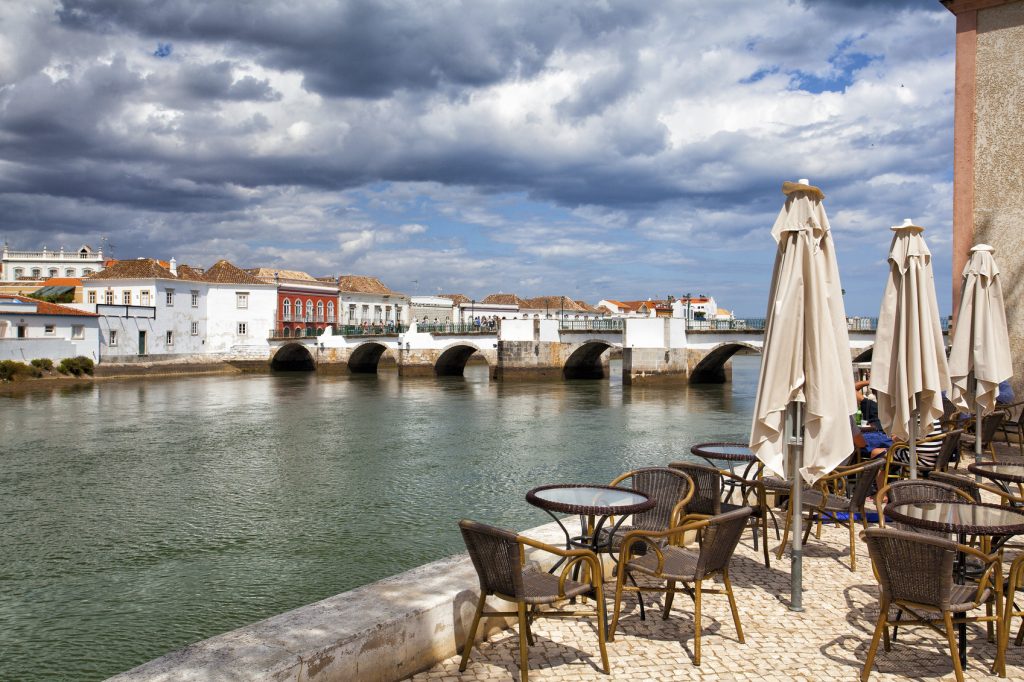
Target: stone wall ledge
(384, 631)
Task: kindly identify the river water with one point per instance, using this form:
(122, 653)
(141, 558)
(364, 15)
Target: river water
(137, 517)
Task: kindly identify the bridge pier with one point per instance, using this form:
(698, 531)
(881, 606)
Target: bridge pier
(654, 350)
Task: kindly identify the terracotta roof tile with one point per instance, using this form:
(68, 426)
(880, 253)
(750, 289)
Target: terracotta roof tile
(142, 268)
(224, 272)
(457, 299)
(363, 284)
(190, 274)
(505, 299)
(272, 275)
(44, 308)
(553, 303)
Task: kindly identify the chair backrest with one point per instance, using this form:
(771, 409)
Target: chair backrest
(667, 487)
(912, 567)
(949, 410)
(707, 492)
(719, 539)
(922, 490)
(967, 485)
(950, 446)
(495, 556)
(865, 478)
(989, 425)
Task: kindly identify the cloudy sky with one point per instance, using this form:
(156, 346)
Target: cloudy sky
(596, 149)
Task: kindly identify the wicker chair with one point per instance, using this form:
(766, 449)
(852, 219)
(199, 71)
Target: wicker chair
(990, 424)
(1014, 582)
(919, 490)
(1014, 426)
(898, 469)
(719, 536)
(830, 497)
(707, 497)
(499, 558)
(915, 574)
(671, 491)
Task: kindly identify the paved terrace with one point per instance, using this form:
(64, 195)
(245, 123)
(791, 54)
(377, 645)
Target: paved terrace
(827, 641)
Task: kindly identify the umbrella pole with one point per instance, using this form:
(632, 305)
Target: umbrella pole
(913, 444)
(795, 440)
(972, 389)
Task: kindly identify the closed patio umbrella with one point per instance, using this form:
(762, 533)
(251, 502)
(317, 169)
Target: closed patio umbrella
(805, 388)
(980, 355)
(908, 363)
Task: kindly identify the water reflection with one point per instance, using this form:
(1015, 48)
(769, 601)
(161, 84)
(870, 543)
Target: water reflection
(139, 516)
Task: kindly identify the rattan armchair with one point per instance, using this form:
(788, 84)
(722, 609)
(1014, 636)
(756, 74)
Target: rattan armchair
(990, 425)
(666, 561)
(499, 557)
(897, 469)
(915, 574)
(707, 497)
(919, 490)
(1014, 425)
(671, 491)
(1014, 582)
(831, 496)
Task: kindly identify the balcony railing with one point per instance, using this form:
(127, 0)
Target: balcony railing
(114, 310)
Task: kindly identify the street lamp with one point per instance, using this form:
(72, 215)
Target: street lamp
(472, 312)
(561, 311)
(687, 309)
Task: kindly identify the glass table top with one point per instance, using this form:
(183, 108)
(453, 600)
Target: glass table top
(734, 451)
(959, 516)
(591, 497)
(1006, 472)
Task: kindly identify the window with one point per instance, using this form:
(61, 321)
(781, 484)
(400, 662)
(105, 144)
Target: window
(241, 328)
(92, 296)
(195, 298)
(144, 297)
(170, 338)
(54, 272)
(87, 271)
(309, 310)
(84, 253)
(77, 331)
(108, 297)
(112, 337)
(351, 312)
(298, 310)
(50, 330)
(195, 329)
(126, 297)
(69, 272)
(170, 297)
(242, 299)
(330, 311)
(18, 273)
(319, 311)
(37, 273)
(286, 310)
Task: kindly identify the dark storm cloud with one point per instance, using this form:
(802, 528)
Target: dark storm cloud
(370, 49)
(216, 81)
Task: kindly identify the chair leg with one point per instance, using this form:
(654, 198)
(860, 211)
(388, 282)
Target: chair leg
(619, 584)
(853, 543)
(883, 613)
(785, 532)
(472, 633)
(529, 626)
(670, 593)
(524, 652)
(696, 623)
(764, 535)
(732, 604)
(602, 625)
(953, 649)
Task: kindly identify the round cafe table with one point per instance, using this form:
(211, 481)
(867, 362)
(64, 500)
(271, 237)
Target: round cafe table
(730, 452)
(1000, 473)
(963, 519)
(593, 503)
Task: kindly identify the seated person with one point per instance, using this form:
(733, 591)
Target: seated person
(867, 406)
(1005, 394)
(927, 453)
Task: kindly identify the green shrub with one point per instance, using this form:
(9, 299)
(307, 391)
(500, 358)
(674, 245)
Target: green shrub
(10, 370)
(45, 364)
(77, 366)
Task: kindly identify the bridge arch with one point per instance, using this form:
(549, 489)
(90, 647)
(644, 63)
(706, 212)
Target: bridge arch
(585, 361)
(293, 357)
(365, 357)
(452, 360)
(711, 368)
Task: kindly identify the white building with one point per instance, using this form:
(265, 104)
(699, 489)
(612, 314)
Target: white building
(435, 309)
(31, 329)
(367, 300)
(47, 263)
(151, 312)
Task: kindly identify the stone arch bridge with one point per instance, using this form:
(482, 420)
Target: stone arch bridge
(652, 349)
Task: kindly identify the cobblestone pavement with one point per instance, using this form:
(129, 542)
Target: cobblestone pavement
(828, 640)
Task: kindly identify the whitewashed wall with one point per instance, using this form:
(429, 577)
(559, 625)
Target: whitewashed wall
(224, 316)
(38, 344)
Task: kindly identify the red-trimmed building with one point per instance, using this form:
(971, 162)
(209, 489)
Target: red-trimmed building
(305, 305)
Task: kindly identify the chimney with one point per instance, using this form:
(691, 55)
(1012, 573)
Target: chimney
(174, 267)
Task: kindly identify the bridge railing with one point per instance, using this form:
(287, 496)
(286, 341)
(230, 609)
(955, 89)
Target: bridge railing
(455, 328)
(376, 329)
(592, 325)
